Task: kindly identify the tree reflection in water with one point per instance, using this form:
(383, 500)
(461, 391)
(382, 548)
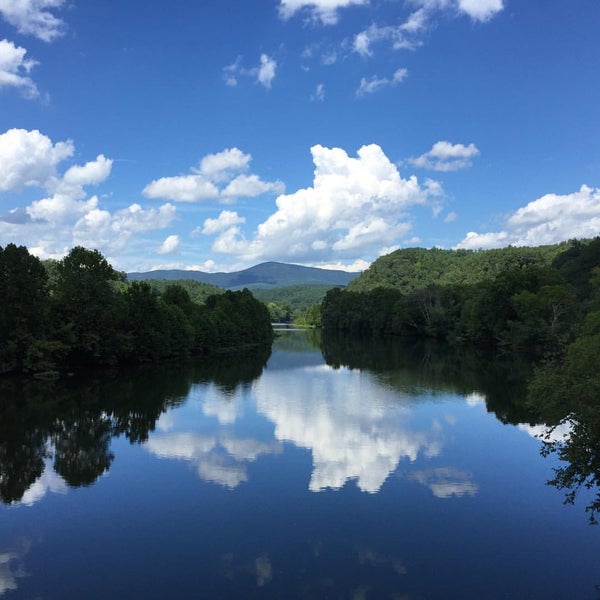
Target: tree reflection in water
(564, 403)
(71, 423)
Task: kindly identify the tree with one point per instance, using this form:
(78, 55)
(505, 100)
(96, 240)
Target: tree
(88, 308)
(23, 317)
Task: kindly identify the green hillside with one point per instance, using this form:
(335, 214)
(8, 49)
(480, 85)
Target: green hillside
(411, 269)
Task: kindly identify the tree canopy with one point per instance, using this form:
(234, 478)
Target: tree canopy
(80, 312)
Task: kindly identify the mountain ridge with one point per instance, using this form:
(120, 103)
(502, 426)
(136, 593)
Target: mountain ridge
(262, 276)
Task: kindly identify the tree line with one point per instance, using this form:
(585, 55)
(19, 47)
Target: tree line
(528, 306)
(80, 312)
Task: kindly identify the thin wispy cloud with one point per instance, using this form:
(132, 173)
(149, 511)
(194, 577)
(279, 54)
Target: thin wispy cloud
(264, 73)
(375, 84)
(324, 11)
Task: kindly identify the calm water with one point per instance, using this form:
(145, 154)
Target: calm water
(356, 471)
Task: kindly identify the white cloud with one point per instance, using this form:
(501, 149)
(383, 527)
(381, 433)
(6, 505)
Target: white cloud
(112, 232)
(60, 208)
(319, 94)
(15, 69)
(67, 200)
(219, 167)
(34, 17)
(480, 10)
(445, 156)
(266, 70)
(355, 206)
(450, 217)
(325, 11)
(170, 245)
(182, 188)
(550, 219)
(249, 186)
(264, 73)
(224, 221)
(405, 36)
(355, 267)
(226, 169)
(375, 84)
(29, 158)
(66, 216)
(92, 173)
(408, 35)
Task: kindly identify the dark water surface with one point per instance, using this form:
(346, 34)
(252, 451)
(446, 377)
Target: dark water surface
(359, 471)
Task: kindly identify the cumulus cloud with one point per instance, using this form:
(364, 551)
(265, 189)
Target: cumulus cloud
(65, 216)
(325, 11)
(264, 73)
(445, 156)
(550, 219)
(15, 69)
(250, 186)
(355, 206)
(34, 17)
(219, 167)
(182, 188)
(170, 245)
(29, 158)
(112, 232)
(225, 220)
(219, 176)
(480, 10)
(375, 84)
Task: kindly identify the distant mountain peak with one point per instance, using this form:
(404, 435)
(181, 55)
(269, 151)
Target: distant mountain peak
(261, 276)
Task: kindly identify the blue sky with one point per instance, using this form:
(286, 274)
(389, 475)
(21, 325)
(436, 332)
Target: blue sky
(217, 134)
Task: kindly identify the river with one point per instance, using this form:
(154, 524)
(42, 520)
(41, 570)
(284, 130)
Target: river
(341, 469)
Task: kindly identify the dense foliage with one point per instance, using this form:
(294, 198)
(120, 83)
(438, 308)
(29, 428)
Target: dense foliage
(80, 313)
(411, 269)
(528, 306)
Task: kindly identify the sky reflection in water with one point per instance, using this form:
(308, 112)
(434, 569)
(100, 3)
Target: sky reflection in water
(310, 481)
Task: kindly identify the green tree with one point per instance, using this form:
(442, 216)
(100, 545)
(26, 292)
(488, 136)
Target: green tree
(87, 307)
(23, 317)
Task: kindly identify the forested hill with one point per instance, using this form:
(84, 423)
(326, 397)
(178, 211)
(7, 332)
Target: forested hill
(411, 269)
(263, 276)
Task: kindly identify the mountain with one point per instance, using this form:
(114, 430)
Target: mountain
(264, 275)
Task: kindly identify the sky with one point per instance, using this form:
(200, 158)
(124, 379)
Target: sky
(218, 134)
